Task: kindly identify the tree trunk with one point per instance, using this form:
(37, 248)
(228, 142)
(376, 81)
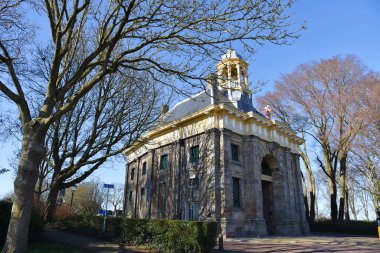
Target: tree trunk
(38, 190)
(311, 182)
(347, 207)
(333, 204)
(353, 209)
(332, 186)
(38, 194)
(32, 153)
(51, 202)
(342, 185)
(305, 200)
(312, 206)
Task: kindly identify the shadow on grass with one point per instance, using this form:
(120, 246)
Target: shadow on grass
(48, 246)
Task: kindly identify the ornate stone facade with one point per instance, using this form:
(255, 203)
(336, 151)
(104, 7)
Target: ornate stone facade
(211, 158)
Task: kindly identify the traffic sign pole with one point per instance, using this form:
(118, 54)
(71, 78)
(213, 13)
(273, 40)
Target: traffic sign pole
(108, 186)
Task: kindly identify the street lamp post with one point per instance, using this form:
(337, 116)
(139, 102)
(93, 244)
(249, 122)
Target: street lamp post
(73, 189)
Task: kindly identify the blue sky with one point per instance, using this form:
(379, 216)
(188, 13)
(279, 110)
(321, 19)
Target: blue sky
(334, 27)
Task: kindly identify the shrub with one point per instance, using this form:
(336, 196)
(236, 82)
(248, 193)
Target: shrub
(35, 227)
(346, 227)
(62, 212)
(170, 235)
(164, 235)
(93, 225)
(136, 231)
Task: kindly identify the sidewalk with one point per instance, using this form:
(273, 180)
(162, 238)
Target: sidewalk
(313, 243)
(88, 243)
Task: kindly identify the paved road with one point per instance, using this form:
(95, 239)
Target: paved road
(315, 243)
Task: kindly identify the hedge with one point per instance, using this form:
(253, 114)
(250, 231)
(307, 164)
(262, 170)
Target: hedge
(93, 226)
(35, 228)
(345, 227)
(170, 235)
(163, 235)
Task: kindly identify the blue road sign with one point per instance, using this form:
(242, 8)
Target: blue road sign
(110, 186)
(103, 212)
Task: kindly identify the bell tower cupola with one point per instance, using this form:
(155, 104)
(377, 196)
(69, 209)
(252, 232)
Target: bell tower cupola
(233, 80)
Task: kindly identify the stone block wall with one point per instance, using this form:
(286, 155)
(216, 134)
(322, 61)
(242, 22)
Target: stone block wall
(216, 171)
(287, 211)
(175, 179)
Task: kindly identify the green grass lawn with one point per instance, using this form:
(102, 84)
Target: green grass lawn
(47, 246)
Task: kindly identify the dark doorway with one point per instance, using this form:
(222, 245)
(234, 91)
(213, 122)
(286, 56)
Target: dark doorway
(267, 205)
(268, 164)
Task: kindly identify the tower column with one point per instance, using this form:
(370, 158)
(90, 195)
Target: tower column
(246, 79)
(238, 74)
(229, 75)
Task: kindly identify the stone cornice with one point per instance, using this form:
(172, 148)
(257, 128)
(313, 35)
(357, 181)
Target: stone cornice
(216, 111)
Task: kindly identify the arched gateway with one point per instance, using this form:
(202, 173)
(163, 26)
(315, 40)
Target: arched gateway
(215, 157)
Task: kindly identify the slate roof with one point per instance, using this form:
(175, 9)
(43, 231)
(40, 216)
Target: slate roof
(192, 105)
(187, 107)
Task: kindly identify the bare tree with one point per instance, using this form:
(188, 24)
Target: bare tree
(116, 198)
(365, 151)
(93, 39)
(103, 123)
(87, 198)
(349, 76)
(323, 92)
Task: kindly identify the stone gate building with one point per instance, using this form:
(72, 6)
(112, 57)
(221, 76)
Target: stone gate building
(215, 157)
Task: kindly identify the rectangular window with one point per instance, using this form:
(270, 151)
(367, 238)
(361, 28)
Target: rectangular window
(236, 191)
(144, 168)
(235, 152)
(161, 197)
(148, 192)
(142, 193)
(194, 154)
(194, 211)
(164, 162)
(130, 195)
(132, 173)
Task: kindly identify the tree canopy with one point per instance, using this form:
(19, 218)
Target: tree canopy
(327, 100)
(91, 40)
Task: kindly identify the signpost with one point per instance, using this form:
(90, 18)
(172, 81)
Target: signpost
(108, 186)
